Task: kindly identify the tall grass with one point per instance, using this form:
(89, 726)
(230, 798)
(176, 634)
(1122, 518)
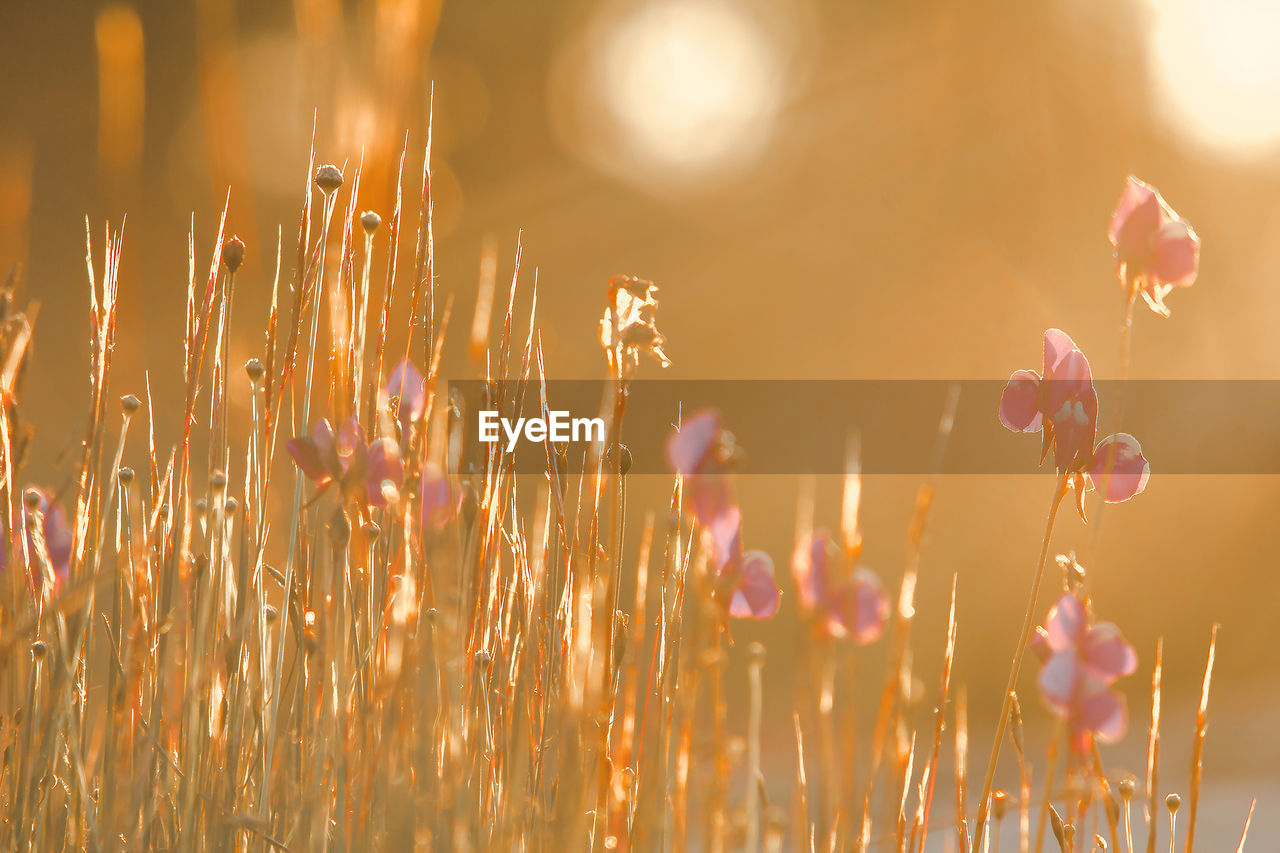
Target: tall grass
(447, 659)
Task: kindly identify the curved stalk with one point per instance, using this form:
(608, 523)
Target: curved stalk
(1060, 491)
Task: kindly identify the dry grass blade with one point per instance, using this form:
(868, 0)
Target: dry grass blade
(1244, 833)
(1197, 746)
(940, 714)
(1153, 750)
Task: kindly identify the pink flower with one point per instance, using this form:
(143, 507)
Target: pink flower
(370, 474)
(409, 387)
(1155, 249)
(57, 540)
(1129, 469)
(744, 581)
(1081, 662)
(854, 605)
(1063, 405)
(698, 451)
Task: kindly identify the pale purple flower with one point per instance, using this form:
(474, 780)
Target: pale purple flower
(1155, 248)
(1063, 405)
(745, 581)
(407, 385)
(697, 452)
(853, 605)
(1081, 662)
(369, 473)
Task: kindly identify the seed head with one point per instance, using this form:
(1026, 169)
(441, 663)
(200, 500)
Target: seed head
(1126, 788)
(130, 403)
(255, 370)
(1173, 802)
(39, 649)
(126, 475)
(618, 458)
(328, 178)
(483, 659)
(372, 531)
(31, 498)
(218, 481)
(370, 221)
(233, 253)
(272, 614)
(232, 505)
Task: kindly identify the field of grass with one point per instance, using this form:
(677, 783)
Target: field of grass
(339, 633)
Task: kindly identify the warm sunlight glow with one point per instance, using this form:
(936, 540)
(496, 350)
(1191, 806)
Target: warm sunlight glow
(1219, 64)
(691, 82)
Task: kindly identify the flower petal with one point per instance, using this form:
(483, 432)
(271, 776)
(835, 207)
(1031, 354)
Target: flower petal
(384, 472)
(1069, 378)
(1106, 654)
(409, 385)
(689, 447)
(326, 445)
(871, 606)
(756, 595)
(307, 457)
(1129, 469)
(1058, 680)
(811, 567)
(1135, 221)
(1066, 624)
(1057, 344)
(1075, 425)
(1019, 404)
(1175, 254)
(57, 538)
(709, 496)
(1103, 712)
(726, 540)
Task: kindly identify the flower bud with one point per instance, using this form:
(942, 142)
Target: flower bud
(233, 253)
(370, 221)
(328, 178)
(253, 367)
(130, 403)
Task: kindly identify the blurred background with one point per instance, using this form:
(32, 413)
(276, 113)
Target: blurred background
(821, 189)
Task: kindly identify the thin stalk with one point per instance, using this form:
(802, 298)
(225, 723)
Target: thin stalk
(1028, 620)
(274, 727)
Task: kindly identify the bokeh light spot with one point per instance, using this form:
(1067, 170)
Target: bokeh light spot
(1218, 62)
(691, 81)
